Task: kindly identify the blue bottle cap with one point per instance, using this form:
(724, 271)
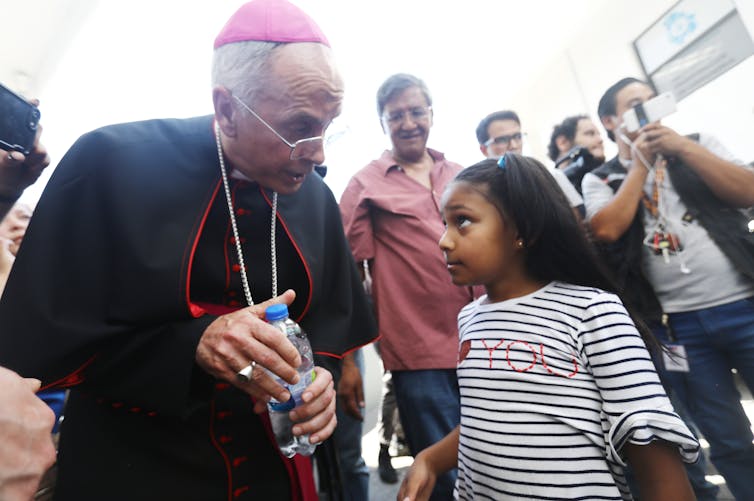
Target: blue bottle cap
(276, 312)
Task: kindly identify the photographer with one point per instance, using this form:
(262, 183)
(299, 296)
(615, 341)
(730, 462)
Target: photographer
(665, 213)
(576, 148)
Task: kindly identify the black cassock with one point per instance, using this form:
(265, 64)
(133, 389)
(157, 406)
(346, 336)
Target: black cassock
(127, 260)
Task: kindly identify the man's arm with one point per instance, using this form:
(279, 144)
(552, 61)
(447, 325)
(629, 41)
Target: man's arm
(731, 183)
(357, 221)
(611, 221)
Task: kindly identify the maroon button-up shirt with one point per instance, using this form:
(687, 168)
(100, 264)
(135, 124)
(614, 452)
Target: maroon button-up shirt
(394, 222)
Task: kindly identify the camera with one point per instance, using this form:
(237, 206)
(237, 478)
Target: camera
(649, 112)
(19, 120)
(580, 161)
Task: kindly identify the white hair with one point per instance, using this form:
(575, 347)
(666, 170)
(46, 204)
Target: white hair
(243, 67)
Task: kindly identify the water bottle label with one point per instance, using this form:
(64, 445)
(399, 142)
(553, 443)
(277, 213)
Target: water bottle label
(283, 406)
(296, 391)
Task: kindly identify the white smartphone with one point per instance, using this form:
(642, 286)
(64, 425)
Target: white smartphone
(649, 112)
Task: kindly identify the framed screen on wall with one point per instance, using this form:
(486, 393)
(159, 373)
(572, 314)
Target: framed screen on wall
(692, 44)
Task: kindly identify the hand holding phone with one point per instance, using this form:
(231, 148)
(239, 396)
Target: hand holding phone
(19, 121)
(649, 112)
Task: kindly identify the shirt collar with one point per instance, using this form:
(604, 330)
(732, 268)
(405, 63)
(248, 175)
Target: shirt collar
(386, 162)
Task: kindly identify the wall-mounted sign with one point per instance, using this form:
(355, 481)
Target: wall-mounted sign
(692, 44)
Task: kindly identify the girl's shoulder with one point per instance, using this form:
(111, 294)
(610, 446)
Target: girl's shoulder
(580, 294)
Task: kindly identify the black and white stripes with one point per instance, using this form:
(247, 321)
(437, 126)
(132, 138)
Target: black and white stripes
(553, 384)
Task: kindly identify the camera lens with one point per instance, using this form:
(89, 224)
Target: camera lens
(33, 121)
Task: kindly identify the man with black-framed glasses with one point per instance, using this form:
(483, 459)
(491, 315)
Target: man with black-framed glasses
(500, 132)
(391, 216)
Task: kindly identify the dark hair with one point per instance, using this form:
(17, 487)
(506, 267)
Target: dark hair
(396, 84)
(557, 247)
(565, 128)
(481, 130)
(607, 104)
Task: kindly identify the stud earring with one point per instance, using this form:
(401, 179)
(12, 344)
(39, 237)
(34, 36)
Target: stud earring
(520, 243)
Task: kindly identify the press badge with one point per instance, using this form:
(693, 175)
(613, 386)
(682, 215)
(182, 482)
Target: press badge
(674, 358)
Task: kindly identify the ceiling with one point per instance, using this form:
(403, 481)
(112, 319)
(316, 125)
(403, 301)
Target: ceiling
(35, 39)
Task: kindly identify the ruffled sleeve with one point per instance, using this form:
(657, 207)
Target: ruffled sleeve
(635, 407)
(644, 427)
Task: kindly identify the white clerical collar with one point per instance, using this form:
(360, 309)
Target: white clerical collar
(237, 174)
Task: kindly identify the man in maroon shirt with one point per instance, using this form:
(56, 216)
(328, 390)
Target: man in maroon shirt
(391, 215)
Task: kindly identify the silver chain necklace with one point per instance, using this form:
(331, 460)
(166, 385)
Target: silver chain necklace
(239, 251)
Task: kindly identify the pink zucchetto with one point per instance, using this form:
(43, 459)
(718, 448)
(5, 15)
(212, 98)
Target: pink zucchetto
(270, 21)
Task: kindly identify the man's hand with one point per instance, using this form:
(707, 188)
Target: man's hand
(664, 140)
(641, 143)
(316, 416)
(233, 341)
(26, 424)
(17, 171)
(351, 388)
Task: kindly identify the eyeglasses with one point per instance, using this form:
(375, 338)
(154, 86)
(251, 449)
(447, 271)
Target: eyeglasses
(505, 140)
(300, 149)
(417, 114)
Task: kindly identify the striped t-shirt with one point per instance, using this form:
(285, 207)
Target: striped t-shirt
(553, 384)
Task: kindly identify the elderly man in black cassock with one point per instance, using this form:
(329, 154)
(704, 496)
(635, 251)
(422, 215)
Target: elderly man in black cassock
(152, 240)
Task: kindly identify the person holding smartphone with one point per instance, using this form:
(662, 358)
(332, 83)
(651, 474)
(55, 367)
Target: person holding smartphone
(22, 157)
(665, 213)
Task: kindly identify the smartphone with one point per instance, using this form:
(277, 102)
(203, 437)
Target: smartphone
(649, 112)
(19, 120)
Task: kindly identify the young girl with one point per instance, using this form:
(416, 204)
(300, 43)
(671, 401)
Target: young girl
(558, 390)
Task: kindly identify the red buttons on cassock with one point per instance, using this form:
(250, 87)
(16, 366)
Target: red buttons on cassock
(240, 490)
(239, 460)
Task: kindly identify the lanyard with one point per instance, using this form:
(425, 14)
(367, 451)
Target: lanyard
(653, 204)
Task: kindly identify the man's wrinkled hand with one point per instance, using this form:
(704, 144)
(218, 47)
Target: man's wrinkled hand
(316, 417)
(233, 341)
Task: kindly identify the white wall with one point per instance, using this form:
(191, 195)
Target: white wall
(582, 70)
(546, 59)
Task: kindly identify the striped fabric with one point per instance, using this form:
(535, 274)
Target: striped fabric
(553, 384)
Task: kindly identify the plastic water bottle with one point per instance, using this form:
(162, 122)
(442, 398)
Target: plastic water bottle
(277, 315)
